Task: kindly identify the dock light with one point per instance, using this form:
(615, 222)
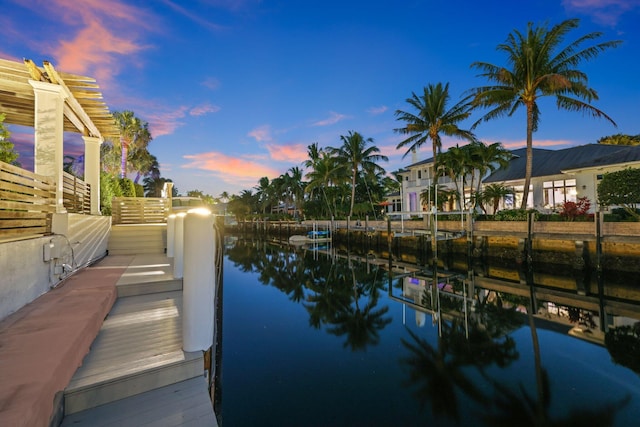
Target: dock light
(171, 231)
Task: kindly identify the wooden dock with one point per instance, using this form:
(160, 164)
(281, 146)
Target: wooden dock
(136, 372)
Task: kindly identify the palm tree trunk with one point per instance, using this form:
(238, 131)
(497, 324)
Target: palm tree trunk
(123, 160)
(529, 165)
(353, 190)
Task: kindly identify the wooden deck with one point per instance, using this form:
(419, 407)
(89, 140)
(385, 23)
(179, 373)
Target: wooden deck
(136, 372)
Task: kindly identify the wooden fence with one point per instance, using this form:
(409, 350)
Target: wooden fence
(76, 194)
(139, 210)
(27, 202)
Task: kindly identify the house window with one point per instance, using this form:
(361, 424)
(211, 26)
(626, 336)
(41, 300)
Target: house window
(397, 205)
(419, 174)
(557, 192)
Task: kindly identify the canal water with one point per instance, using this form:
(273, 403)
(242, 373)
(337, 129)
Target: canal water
(316, 336)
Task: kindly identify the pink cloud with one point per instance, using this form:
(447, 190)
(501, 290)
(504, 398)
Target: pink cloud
(165, 123)
(204, 109)
(333, 119)
(230, 169)
(296, 153)
(261, 134)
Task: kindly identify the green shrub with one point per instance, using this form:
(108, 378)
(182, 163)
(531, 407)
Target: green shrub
(516, 214)
(127, 187)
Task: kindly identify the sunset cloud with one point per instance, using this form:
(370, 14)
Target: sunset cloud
(95, 38)
(232, 170)
(165, 123)
(203, 109)
(292, 153)
(261, 134)
(333, 119)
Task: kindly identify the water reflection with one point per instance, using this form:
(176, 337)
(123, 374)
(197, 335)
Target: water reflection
(473, 370)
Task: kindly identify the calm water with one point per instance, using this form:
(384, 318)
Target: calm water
(317, 339)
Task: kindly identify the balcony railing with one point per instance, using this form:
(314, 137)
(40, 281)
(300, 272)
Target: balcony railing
(27, 202)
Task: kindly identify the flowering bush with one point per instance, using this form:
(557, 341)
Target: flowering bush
(573, 210)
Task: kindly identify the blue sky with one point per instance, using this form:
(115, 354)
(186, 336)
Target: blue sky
(237, 90)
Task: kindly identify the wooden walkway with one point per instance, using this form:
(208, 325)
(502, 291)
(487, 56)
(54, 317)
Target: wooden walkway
(136, 372)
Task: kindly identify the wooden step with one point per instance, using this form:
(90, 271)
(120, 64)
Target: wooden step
(148, 273)
(181, 404)
(138, 349)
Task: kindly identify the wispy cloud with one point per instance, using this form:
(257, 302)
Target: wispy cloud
(230, 169)
(333, 119)
(198, 19)
(605, 12)
(203, 109)
(261, 134)
(296, 153)
(211, 83)
(165, 123)
(377, 110)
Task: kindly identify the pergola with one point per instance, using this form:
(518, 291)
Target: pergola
(53, 102)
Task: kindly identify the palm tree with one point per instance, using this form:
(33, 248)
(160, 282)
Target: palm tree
(432, 118)
(493, 193)
(538, 67)
(134, 133)
(326, 173)
(357, 156)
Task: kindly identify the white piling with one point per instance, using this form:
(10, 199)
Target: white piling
(198, 284)
(178, 246)
(171, 230)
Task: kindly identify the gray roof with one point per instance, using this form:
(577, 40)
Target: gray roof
(554, 162)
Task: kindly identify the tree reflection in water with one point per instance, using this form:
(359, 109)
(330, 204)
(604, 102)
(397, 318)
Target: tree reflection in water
(440, 375)
(344, 298)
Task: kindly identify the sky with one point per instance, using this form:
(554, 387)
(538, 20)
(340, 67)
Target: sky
(234, 90)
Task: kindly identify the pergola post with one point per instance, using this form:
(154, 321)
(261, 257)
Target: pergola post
(48, 135)
(92, 169)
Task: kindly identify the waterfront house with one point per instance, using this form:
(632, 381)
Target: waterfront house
(558, 176)
(564, 175)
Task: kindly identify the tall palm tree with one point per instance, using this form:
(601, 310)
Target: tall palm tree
(326, 173)
(134, 133)
(358, 155)
(538, 66)
(431, 118)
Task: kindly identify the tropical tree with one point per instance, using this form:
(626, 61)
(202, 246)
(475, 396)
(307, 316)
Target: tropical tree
(431, 118)
(325, 175)
(358, 155)
(493, 193)
(134, 135)
(620, 139)
(621, 188)
(538, 67)
(8, 153)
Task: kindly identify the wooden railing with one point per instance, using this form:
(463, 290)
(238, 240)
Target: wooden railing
(27, 202)
(76, 194)
(139, 210)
